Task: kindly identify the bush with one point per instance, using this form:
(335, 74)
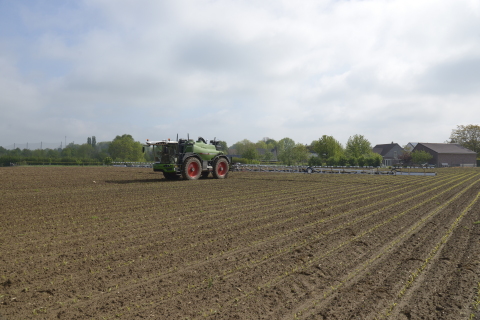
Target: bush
(370, 162)
(352, 161)
(361, 161)
(315, 162)
(374, 160)
(421, 157)
(6, 160)
(378, 159)
(332, 161)
(244, 161)
(342, 161)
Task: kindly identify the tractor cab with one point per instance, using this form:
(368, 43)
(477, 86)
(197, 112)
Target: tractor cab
(164, 151)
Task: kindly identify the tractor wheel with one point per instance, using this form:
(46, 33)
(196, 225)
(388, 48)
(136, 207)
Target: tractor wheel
(192, 169)
(170, 176)
(220, 168)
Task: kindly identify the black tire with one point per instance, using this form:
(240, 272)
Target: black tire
(220, 168)
(170, 176)
(309, 170)
(192, 169)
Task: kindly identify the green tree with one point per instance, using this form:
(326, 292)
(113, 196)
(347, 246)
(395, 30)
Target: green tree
(331, 161)
(373, 160)
(315, 161)
(327, 147)
(38, 153)
(250, 153)
(94, 141)
(27, 152)
(52, 154)
(271, 143)
(361, 161)
(300, 153)
(268, 145)
(89, 141)
(342, 160)
(223, 146)
(420, 157)
(124, 148)
(261, 145)
(16, 152)
(85, 151)
(377, 159)
(247, 149)
(285, 151)
(352, 161)
(69, 152)
(358, 146)
(268, 156)
(467, 136)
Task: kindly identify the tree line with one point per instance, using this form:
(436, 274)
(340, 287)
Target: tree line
(325, 151)
(122, 148)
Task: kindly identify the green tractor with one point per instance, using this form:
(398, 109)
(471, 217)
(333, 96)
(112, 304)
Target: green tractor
(189, 159)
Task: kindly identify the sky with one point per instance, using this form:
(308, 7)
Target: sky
(391, 70)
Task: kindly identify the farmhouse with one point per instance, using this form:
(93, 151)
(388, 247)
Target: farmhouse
(448, 154)
(390, 153)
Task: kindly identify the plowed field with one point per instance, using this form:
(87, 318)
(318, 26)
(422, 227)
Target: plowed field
(102, 243)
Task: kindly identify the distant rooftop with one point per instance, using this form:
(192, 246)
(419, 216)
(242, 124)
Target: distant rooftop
(447, 148)
(383, 149)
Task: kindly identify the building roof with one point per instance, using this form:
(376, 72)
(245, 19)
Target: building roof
(383, 149)
(447, 148)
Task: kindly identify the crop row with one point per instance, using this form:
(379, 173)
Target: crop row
(209, 257)
(208, 218)
(414, 275)
(66, 263)
(315, 260)
(41, 218)
(193, 287)
(390, 246)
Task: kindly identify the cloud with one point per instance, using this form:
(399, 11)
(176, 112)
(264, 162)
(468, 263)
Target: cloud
(239, 70)
(460, 76)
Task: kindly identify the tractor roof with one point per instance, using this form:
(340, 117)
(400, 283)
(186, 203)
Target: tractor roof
(161, 142)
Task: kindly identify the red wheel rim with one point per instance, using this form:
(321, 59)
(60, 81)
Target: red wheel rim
(193, 169)
(221, 168)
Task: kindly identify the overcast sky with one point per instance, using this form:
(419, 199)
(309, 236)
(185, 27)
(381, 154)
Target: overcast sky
(390, 70)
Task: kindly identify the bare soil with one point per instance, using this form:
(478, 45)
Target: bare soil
(105, 242)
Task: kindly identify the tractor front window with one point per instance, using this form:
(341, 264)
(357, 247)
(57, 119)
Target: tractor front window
(166, 154)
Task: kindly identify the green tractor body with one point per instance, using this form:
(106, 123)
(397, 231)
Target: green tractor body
(189, 159)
